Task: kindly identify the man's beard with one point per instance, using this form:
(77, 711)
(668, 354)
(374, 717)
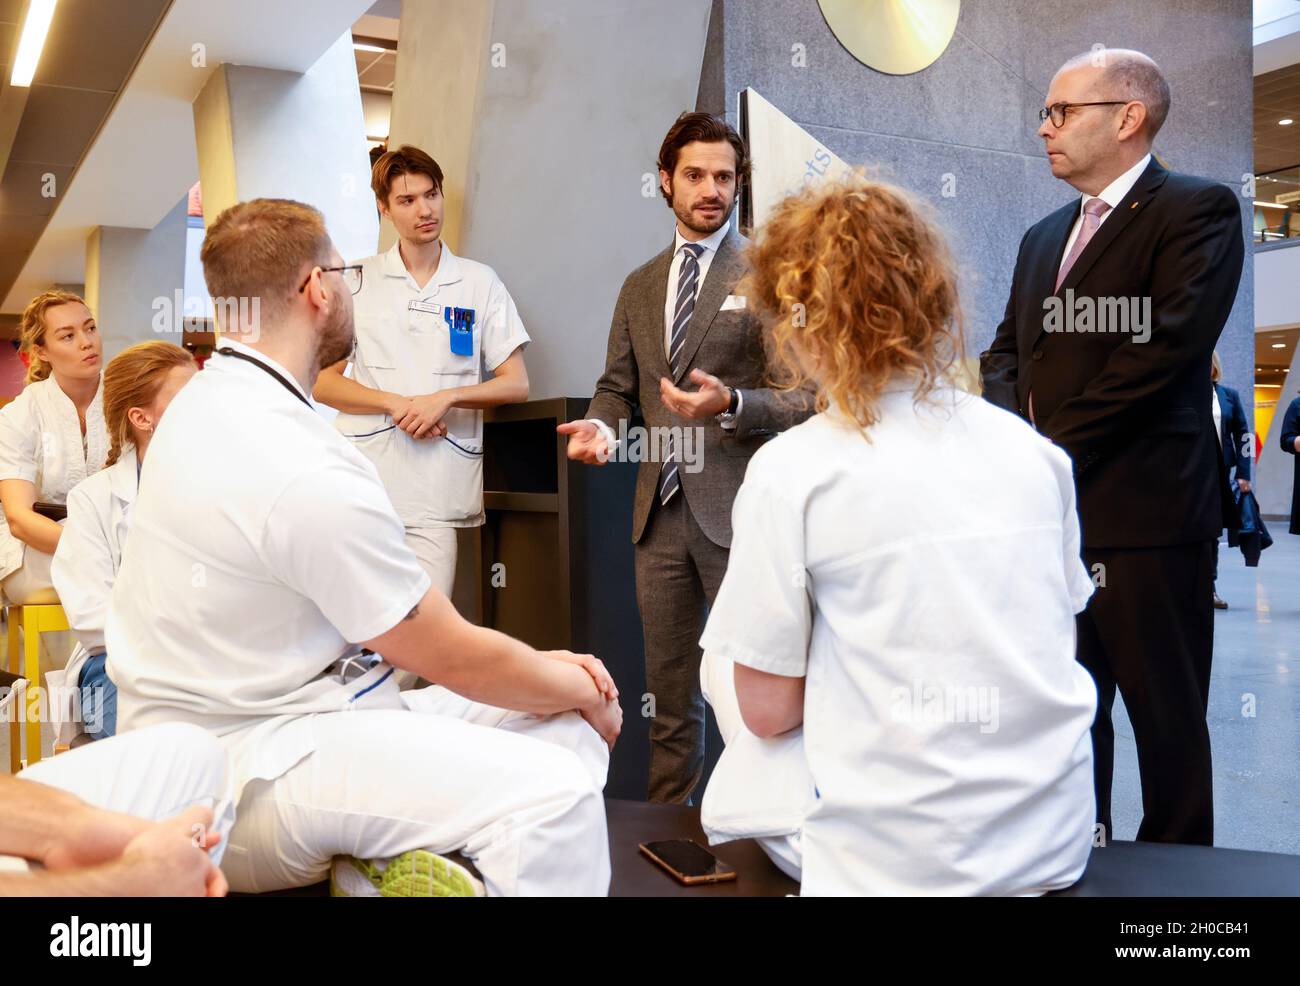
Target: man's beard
(336, 340)
(685, 217)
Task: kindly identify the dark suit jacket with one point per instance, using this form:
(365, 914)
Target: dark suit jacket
(1234, 432)
(1134, 416)
(1290, 429)
(728, 345)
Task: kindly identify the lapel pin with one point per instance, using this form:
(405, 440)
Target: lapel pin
(1133, 206)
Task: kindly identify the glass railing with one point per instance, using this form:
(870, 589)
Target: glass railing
(1277, 205)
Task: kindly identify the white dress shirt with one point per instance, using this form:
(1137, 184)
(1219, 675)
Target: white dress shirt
(1113, 194)
(1218, 414)
(710, 244)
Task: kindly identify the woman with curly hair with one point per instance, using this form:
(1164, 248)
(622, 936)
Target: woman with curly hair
(891, 653)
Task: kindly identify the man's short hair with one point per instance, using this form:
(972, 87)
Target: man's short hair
(710, 129)
(258, 249)
(1129, 75)
(406, 160)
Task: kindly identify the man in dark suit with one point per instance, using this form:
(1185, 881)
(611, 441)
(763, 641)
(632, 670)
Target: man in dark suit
(1237, 445)
(678, 323)
(1116, 304)
(1290, 439)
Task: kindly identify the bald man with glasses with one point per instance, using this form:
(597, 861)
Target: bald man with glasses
(1117, 301)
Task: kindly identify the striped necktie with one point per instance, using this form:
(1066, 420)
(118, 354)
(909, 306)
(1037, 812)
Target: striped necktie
(688, 277)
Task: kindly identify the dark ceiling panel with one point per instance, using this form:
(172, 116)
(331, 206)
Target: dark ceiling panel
(22, 190)
(1277, 97)
(90, 51)
(11, 263)
(8, 38)
(83, 49)
(58, 123)
(22, 232)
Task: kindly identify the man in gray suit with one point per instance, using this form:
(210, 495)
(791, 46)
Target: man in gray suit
(678, 323)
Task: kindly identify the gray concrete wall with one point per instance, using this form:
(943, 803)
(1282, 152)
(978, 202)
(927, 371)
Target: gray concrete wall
(973, 114)
(557, 199)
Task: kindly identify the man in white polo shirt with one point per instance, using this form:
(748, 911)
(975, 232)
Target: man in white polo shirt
(429, 327)
(263, 550)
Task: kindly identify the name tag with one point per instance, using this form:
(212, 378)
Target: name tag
(428, 307)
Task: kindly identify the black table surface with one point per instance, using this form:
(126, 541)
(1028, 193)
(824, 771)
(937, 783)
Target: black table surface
(1120, 869)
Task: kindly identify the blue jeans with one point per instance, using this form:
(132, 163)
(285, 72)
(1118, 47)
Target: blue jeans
(98, 698)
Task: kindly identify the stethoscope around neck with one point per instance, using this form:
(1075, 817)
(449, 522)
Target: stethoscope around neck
(279, 377)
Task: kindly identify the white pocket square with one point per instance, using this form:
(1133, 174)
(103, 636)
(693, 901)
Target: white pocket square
(733, 302)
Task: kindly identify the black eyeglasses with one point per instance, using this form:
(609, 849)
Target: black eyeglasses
(1057, 110)
(351, 277)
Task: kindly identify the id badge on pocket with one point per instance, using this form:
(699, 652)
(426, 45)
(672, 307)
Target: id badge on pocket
(460, 325)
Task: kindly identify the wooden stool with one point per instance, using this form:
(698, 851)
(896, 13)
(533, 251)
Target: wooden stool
(35, 618)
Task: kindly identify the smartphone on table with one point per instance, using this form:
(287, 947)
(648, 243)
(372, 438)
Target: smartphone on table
(688, 862)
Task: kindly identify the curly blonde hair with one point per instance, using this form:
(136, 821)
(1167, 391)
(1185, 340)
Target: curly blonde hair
(132, 379)
(31, 330)
(859, 290)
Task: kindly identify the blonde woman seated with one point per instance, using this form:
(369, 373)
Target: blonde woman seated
(139, 383)
(891, 653)
(52, 436)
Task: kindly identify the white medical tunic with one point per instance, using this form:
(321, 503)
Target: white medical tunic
(41, 442)
(83, 570)
(262, 543)
(404, 346)
(925, 582)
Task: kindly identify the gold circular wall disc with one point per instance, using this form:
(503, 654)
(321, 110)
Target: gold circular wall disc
(895, 36)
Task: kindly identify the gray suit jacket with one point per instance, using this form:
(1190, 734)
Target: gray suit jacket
(728, 345)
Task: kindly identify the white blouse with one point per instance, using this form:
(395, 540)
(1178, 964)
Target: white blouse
(41, 442)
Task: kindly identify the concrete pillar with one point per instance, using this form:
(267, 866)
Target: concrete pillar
(275, 134)
(132, 276)
(546, 119)
(442, 53)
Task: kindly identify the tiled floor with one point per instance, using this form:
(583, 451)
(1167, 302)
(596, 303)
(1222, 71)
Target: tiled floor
(1254, 708)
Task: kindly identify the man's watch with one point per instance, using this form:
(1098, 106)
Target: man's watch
(734, 404)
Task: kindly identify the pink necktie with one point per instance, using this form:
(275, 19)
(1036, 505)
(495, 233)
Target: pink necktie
(1093, 210)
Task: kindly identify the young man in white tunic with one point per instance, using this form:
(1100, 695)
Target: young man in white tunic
(891, 653)
(264, 553)
(438, 339)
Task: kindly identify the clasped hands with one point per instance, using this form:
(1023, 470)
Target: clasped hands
(604, 715)
(421, 417)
